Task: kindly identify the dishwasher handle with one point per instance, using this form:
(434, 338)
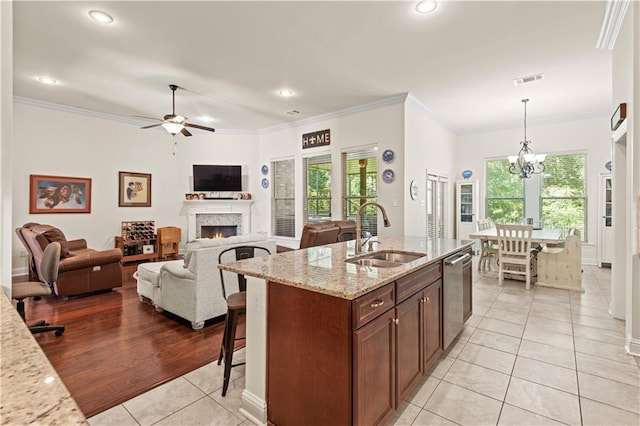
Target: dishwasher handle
(456, 258)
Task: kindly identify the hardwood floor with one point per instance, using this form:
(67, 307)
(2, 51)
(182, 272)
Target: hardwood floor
(116, 347)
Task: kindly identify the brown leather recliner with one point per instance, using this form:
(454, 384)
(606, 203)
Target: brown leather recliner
(328, 232)
(81, 270)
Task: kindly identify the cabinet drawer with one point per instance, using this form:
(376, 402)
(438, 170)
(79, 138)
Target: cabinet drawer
(369, 306)
(418, 280)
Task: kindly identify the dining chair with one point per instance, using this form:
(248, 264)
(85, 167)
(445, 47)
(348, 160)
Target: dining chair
(488, 248)
(236, 306)
(514, 249)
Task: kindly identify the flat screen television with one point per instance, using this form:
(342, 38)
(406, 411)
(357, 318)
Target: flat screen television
(214, 178)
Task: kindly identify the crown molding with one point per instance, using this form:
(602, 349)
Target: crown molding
(111, 117)
(335, 114)
(412, 100)
(611, 24)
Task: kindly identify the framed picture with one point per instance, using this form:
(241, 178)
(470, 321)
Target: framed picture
(59, 194)
(134, 189)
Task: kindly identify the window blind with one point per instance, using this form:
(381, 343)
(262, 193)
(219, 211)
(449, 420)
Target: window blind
(317, 184)
(283, 198)
(360, 185)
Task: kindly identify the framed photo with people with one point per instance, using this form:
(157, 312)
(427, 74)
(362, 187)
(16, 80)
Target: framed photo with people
(59, 194)
(134, 189)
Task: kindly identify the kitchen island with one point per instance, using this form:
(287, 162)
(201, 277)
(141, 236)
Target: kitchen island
(334, 342)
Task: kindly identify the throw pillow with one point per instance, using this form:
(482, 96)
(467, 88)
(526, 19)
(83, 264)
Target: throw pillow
(56, 235)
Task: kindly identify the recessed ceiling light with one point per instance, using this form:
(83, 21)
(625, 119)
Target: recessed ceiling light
(426, 6)
(100, 16)
(285, 92)
(46, 80)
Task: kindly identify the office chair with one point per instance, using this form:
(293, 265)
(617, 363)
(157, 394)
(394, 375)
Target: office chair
(20, 291)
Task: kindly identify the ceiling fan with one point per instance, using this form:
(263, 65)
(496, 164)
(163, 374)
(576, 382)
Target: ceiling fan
(174, 123)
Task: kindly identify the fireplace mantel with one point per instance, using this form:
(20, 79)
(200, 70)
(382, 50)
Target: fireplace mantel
(235, 207)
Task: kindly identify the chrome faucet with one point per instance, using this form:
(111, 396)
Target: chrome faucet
(359, 226)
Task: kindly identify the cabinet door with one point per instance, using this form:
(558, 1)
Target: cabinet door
(466, 292)
(408, 345)
(374, 370)
(432, 325)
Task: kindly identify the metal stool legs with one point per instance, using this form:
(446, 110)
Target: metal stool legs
(228, 343)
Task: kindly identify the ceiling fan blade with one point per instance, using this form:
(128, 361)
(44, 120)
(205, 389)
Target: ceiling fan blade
(151, 125)
(146, 118)
(185, 132)
(197, 126)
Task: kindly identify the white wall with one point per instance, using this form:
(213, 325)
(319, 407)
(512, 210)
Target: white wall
(590, 135)
(382, 126)
(6, 136)
(428, 146)
(59, 143)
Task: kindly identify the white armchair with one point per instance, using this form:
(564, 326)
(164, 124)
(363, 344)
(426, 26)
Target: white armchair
(192, 289)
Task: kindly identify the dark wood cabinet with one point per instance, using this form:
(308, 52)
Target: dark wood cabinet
(336, 361)
(374, 356)
(432, 323)
(408, 331)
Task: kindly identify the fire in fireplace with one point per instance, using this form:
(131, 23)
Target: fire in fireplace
(218, 231)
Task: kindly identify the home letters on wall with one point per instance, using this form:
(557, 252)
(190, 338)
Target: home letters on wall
(318, 138)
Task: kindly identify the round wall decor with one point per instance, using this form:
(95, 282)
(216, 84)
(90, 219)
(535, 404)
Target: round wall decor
(388, 176)
(388, 156)
(265, 183)
(413, 189)
(265, 169)
(467, 174)
(607, 165)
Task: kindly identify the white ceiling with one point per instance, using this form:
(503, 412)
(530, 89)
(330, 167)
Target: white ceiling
(233, 57)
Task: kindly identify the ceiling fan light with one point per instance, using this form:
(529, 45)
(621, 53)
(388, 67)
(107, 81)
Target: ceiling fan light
(173, 128)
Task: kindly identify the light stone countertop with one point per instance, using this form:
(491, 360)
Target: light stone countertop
(323, 269)
(31, 392)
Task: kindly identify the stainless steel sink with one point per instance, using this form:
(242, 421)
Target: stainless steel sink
(385, 259)
(394, 256)
(378, 263)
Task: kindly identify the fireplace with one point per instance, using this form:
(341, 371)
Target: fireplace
(218, 231)
(222, 213)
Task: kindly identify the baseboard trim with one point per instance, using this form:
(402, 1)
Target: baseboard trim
(632, 346)
(253, 408)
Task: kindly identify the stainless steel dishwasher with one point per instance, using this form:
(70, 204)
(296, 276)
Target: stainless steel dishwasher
(452, 309)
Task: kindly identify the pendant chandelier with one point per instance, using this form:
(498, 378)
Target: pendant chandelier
(526, 163)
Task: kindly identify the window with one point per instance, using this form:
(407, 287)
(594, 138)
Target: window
(436, 192)
(283, 199)
(360, 180)
(563, 197)
(317, 182)
(505, 193)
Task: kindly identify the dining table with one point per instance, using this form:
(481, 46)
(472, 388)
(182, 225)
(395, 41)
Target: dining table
(539, 236)
(547, 236)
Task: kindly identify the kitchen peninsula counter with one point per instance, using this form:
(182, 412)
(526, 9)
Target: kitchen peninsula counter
(32, 391)
(311, 317)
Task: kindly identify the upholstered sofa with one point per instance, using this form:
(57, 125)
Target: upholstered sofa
(191, 288)
(81, 269)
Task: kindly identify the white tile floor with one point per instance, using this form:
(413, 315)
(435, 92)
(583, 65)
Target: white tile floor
(542, 356)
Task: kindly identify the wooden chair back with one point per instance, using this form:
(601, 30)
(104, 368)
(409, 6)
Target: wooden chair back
(484, 224)
(514, 249)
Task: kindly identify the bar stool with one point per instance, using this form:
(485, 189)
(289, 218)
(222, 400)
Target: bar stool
(236, 306)
(20, 291)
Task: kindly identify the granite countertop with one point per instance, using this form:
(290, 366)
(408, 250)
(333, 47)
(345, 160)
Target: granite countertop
(32, 392)
(323, 269)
